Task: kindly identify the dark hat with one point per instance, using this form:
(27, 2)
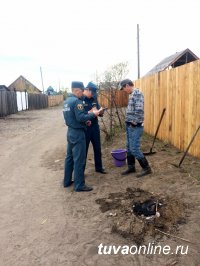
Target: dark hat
(77, 85)
(124, 82)
(93, 87)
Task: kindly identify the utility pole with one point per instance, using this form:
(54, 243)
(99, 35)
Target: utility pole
(138, 50)
(42, 80)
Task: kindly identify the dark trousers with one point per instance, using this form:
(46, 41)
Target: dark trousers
(75, 158)
(92, 135)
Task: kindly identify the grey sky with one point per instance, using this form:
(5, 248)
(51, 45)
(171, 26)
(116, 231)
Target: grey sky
(74, 39)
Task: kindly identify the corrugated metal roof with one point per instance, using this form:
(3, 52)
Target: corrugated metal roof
(170, 60)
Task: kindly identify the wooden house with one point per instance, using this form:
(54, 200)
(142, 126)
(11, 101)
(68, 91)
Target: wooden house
(172, 61)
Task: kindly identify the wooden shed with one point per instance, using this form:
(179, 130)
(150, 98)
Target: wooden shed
(3, 88)
(22, 84)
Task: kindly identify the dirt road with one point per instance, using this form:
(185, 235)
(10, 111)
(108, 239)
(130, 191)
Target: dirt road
(41, 223)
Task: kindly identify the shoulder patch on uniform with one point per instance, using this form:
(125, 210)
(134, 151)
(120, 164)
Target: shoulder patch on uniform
(79, 106)
(66, 107)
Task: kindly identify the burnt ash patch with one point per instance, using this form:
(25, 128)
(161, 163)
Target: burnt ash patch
(140, 228)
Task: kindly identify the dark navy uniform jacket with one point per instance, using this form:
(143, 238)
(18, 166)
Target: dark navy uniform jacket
(92, 133)
(89, 103)
(74, 113)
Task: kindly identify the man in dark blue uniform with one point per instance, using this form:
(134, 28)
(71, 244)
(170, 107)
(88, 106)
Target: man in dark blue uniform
(76, 120)
(93, 132)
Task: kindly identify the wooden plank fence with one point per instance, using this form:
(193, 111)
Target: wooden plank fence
(105, 98)
(8, 103)
(11, 102)
(54, 100)
(37, 101)
(177, 90)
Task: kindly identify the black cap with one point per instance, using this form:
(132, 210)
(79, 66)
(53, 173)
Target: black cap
(77, 85)
(124, 82)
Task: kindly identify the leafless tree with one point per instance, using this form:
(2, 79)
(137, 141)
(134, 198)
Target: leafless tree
(109, 82)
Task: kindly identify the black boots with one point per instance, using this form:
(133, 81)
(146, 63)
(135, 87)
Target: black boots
(129, 170)
(131, 165)
(146, 169)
